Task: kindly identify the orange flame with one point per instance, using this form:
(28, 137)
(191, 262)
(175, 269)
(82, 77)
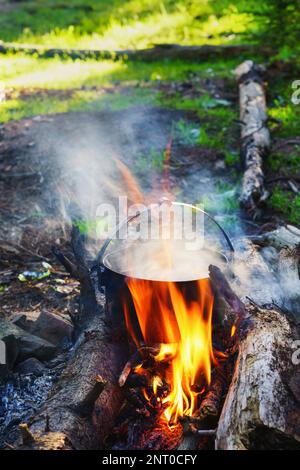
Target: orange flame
(184, 330)
(179, 323)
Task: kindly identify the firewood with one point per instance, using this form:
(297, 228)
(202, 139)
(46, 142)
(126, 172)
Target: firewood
(210, 406)
(84, 403)
(27, 436)
(288, 236)
(202, 432)
(261, 409)
(255, 136)
(141, 354)
(239, 316)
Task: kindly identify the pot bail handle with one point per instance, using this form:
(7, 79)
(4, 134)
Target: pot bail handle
(127, 220)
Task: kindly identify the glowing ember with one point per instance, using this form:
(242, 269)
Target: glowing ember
(183, 328)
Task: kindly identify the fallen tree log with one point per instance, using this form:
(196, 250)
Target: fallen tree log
(158, 52)
(83, 405)
(255, 137)
(281, 237)
(261, 410)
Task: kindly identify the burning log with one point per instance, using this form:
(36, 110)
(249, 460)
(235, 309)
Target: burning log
(254, 135)
(83, 405)
(135, 360)
(235, 315)
(211, 404)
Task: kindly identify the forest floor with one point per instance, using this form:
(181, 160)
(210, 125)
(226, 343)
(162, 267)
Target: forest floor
(58, 117)
(50, 108)
(199, 115)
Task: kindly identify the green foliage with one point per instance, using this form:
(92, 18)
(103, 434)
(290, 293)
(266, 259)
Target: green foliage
(93, 228)
(281, 29)
(208, 102)
(80, 100)
(219, 126)
(113, 24)
(23, 71)
(287, 204)
(153, 160)
(186, 133)
(290, 162)
(232, 157)
(223, 200)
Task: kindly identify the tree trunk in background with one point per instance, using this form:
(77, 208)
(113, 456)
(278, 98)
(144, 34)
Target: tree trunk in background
(255, 136)
(158, 52)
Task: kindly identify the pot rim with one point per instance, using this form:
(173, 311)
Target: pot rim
(129, 276)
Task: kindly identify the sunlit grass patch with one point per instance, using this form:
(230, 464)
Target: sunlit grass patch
(24, 71)
(21, 71)
(79, 100)
(114, 24)
(288, 117)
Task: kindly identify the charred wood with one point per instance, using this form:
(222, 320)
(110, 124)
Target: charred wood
(84, 403)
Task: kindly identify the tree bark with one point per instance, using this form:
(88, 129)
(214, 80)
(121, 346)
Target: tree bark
(158, 52)
(83, 405)
(255, 137)
(261, 410)
(70, 418)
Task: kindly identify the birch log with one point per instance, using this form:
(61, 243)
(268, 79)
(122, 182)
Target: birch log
(261, 410)
(255, 137)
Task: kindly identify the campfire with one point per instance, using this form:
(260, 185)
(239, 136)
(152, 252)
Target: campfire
(182, 328)
(179, 345)
(177, 373)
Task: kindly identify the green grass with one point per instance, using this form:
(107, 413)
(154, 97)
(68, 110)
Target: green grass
(287, 115)
(224, 200)
(91, 85)
(113, 24)
(78, 101)
(153, 160)
(185, 133)
(289, 162)
(22, 71)
(287, 204)
(30, 73)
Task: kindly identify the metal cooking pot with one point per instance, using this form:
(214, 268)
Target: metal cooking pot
(115, 279)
